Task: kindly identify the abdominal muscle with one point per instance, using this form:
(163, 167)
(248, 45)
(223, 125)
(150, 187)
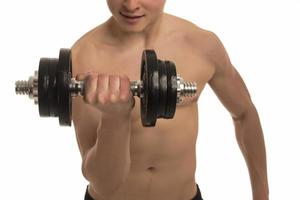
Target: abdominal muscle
(163, 158)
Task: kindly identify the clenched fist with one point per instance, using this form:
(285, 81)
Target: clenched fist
(110, 94)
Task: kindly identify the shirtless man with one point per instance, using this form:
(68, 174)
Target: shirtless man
(121, 159)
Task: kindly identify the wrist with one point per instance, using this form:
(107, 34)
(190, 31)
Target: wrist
(116, 117)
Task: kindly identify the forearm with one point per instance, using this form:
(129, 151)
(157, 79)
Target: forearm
(107, 164)
(250, 138)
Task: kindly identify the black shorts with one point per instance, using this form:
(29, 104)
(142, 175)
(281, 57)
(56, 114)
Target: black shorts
(197, 196)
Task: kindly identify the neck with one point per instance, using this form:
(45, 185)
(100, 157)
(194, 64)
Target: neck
(145, 37)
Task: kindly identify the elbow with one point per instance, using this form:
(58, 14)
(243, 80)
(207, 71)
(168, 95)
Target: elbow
(244, 112)
(103, 188)
(107, 188)
(105, 184)
(238, 117)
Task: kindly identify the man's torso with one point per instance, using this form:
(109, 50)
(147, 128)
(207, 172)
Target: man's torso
(163, 158)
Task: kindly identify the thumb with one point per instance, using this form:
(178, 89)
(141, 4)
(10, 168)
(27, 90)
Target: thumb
(133, 102)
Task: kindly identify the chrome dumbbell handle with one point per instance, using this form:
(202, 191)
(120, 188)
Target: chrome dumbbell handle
(30, 88)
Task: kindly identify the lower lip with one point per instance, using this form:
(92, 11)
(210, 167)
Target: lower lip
(131, 20)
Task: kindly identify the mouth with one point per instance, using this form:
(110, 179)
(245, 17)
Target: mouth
(131, 17)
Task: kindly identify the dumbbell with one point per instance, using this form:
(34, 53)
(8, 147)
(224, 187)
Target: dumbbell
(160, 88)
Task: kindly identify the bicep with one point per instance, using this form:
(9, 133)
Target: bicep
(231, 90)
(227, 83)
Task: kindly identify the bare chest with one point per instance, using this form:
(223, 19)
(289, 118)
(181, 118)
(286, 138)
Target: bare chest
(170, 139)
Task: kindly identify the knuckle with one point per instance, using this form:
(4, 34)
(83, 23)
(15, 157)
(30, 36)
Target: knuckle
(80, 76)
(101, 99)
(124, 98)
(90, 77)
(89, 99)
(113, 97)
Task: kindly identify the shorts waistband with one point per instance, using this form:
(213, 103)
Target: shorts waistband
(198, 195)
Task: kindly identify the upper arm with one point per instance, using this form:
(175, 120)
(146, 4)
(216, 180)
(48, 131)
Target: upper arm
(227, 83)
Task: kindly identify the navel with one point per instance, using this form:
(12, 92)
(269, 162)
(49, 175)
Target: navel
(151, 168)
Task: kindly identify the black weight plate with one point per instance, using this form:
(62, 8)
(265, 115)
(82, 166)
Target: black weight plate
(163, 86)
(172, 89)
(63, 79)
(52, 89)
(43, 84)
(150, 78)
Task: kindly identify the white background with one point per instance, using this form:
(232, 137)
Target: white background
(40, 160)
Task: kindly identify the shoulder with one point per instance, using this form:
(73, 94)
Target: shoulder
(85, 49)
(190, 32)
(205, 44)
(202, 42)
(85, 40)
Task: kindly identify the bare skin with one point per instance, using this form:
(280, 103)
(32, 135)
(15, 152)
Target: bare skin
(162, 160)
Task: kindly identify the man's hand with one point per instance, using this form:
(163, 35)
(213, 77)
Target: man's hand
(108, 93)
